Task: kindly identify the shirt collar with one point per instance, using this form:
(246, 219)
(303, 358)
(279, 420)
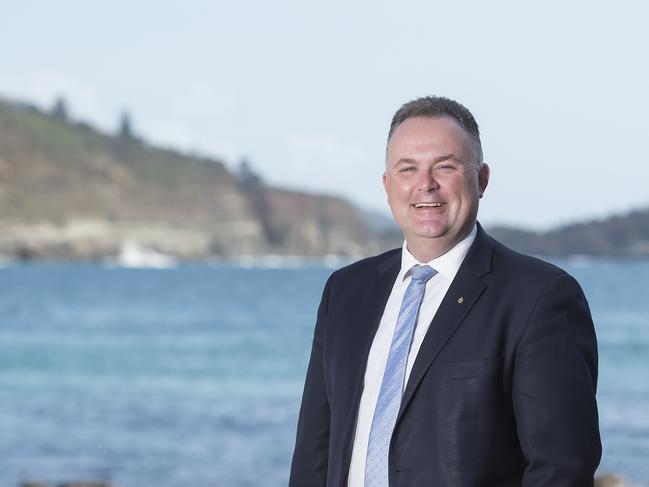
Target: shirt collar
(446, 264)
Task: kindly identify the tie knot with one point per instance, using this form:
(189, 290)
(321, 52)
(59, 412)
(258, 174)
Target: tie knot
(422, 272)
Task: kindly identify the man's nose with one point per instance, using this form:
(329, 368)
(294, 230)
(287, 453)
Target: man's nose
(428, 182)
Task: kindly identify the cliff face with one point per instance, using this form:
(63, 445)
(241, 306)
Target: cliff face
(70, 191)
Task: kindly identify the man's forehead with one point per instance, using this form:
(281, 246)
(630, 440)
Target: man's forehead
(428, 134)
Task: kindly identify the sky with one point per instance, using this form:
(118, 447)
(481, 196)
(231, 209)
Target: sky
(304, 91)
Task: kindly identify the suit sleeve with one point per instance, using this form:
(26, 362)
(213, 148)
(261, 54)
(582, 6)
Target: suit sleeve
(310, 458)
(554, 386)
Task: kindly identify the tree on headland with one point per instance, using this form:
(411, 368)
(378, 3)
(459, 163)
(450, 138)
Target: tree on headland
(125, 130)
(246, 177)
(60, 109)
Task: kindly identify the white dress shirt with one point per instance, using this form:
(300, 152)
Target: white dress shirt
(446, 266)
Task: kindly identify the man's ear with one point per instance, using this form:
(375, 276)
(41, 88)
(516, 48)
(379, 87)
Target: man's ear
(483, 178)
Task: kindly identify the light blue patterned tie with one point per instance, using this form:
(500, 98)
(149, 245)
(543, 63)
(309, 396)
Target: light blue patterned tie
(389, 400)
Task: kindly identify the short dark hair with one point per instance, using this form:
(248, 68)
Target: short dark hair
(439, 106)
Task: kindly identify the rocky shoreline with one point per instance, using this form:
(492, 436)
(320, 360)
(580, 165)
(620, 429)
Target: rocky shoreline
(98, 240)
(605, 480)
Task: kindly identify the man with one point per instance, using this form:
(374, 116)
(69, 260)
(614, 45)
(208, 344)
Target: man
(453, 361)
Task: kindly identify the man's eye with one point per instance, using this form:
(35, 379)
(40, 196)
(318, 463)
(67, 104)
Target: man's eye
(407, 169)
(446, 167)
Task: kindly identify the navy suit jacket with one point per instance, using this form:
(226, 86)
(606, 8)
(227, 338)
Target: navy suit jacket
(502, 392)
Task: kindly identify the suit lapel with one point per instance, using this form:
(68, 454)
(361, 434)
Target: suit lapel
(468, 286)
(366, 322)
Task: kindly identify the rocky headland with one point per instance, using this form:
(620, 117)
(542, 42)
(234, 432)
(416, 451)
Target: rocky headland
(69, 191)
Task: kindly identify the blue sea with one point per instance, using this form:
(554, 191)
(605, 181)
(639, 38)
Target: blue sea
(192, 376)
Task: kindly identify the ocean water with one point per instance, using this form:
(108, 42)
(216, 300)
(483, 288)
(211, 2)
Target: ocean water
(193, 375)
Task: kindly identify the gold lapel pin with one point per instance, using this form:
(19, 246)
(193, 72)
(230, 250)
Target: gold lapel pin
(460, 300)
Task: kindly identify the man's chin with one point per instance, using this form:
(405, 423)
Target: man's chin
(430, 234)
(430, 230)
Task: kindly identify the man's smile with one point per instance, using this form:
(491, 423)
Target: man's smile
(428, 205)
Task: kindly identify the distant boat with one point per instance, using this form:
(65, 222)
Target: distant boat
(132, 255)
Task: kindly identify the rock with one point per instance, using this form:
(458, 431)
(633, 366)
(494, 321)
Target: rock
(85, 484)
(67, 484)
(610, 480)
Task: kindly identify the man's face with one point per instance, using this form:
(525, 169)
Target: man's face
(433, 182)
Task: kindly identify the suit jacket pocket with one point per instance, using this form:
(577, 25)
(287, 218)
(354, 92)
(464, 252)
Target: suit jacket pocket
(475, 368)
